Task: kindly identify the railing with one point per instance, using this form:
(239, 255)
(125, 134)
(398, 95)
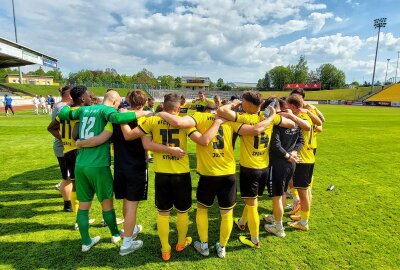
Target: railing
(158, 95)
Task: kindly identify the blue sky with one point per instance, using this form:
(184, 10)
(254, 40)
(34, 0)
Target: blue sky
(238, 40)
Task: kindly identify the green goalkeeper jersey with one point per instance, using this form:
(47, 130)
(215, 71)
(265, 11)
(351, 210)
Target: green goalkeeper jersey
(92, 120)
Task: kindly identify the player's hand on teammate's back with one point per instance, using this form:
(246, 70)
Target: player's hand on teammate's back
(122, 110)
(78, 144)
(220, 119)
(177, 152)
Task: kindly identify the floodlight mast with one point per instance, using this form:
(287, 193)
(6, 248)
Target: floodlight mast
(387, 66)
(397, 66)
(378, 23)
(16, 40)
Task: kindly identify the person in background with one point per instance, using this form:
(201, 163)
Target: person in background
(7, 104)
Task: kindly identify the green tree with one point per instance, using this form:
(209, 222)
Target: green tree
(178, 82)
(279, 75)
(212, 85)
(146, 77)
(166, 81)
(260, 85)
(226, 87)
(267, 82)
(220, 83)
(39, 72)
(57, 75)
(6, 71)
(331, 77)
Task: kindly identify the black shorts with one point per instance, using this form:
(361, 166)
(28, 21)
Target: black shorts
(302, 175)
(70, 160)
(173, 190)
(224, 187)
(63, 167)
(280, 173)
(252, 182)
(8, 107)
(131, 183)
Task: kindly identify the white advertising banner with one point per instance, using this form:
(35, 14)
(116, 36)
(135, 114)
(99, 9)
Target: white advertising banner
(11, 51)
(32, 57)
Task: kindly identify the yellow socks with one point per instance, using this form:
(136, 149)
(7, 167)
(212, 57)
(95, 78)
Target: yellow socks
(202, 223)
(182, 223)
(305, 215)
(254, 221)
(225, 228)
(74, 202)
(243, 219)
(163, 232)
(294, 192)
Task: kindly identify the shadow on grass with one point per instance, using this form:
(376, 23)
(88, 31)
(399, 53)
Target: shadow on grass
(66, 254)
(26, 210)
(25, 180)
(29, 227)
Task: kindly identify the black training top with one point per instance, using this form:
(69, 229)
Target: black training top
(285, 140)
(127, 154)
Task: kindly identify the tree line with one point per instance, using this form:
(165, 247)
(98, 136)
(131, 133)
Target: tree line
(328, 75)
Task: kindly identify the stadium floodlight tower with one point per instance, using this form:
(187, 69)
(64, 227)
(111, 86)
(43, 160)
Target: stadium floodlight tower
(16, 40)
(387, 66)
(378, 23)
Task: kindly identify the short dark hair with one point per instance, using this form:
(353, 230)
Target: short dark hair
(201, 92)
(299, 91)
(64, 89)
(253, 97)
(77, 92)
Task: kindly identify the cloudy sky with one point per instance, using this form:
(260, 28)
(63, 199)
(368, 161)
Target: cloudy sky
(238, 40)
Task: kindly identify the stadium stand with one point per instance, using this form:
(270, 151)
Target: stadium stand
(392, 93)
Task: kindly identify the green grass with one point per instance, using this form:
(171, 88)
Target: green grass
(45, 90)
(337, 94)
(353, 226)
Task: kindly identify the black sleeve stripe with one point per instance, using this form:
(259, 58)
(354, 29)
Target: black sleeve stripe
(194, 119)
(239, 128)
(236, 116)
(280, 121)
(142, 130)
(70, 114)
(190, 133)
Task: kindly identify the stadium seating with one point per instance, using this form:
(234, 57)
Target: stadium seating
(392, 93)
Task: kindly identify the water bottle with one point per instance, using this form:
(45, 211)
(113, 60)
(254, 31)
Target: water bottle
(267, 110)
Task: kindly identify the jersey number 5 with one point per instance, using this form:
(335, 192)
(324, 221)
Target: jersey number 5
(261, 139)
(219, 144)
(86, 129)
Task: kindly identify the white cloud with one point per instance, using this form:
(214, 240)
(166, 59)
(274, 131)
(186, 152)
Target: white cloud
(317, 20)
(338, 19)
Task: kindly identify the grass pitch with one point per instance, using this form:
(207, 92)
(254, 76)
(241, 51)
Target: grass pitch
(352, 226)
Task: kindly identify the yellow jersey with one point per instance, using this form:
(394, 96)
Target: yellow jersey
(163, 133)
(314, 133)
(183, 109)
(201, 105)
(254, 150)
(66, 128)
(306, 153)
(217, 158)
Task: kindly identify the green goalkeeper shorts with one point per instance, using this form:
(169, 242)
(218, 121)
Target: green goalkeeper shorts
(93, 180)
